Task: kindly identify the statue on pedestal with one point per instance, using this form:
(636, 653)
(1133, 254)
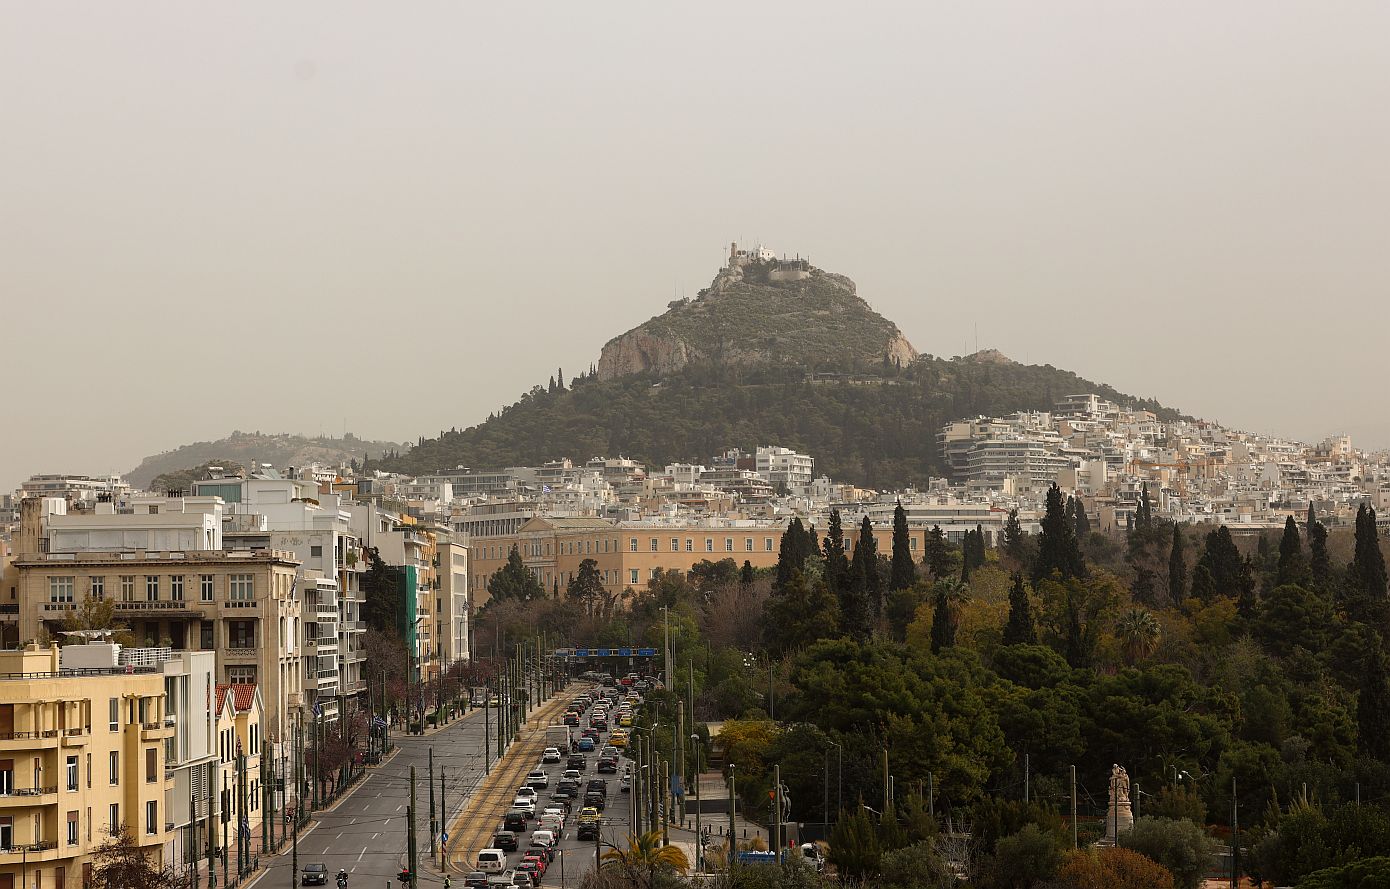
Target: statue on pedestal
(1119, 817)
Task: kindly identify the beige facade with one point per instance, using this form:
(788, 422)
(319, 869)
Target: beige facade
(241, 604)
(240, 723)
(627, 554)
(81, 754)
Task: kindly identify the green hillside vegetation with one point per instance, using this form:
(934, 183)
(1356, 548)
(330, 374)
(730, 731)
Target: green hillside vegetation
(873, 426)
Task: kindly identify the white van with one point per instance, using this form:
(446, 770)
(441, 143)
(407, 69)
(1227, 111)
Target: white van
(492, 861)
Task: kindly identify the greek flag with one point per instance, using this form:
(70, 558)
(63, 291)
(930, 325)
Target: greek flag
(378, 722)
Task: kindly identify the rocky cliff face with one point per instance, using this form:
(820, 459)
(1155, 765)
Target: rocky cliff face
(750, 315)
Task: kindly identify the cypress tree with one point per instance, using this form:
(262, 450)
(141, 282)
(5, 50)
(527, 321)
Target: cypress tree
(1319, 562)
(904, 573)
(1177, 569)
(1057, 550)
(1373, 705)
(1013, 536)
(746, 574)
(943, 620)
(1367, 574)
(1019, 629)
(856, 618)
(1292, 568)
(1203, 584)
(791, 552)
(865, 564)
(1312, 520)
(936, 558)
(1222, 561)
(836, 565)
(979, 546)
(965, 562)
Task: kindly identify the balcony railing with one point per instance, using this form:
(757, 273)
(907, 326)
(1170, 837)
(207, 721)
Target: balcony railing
(30, 791)
(239, 652)
(9, 608)
(122, 605)
(84, 671)
(41, 846)
(28, 736)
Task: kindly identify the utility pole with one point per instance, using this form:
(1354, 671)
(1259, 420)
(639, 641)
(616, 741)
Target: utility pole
(931, 794)
(771, 696)
(434, 823)
(699, 837)
(243, 838)
(678, 754)
(212, 833)
(825, 790)
(487, 728)
(1074, 844)
(666, 806)
(733, 834)
(776, 844)
(638, 806)
(652, 790)
(443, 824)
(1026, 776)
(1235, 836)
(411, 851)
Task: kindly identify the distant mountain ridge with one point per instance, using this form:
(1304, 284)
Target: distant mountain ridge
(245, 448)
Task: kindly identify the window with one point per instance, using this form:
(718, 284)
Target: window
(97, 590)
(241, 587)
(654, 546)
(152, 588)
(748, 544)
(6, 778)
(255, 732)
(205, 587)
(114, 766)
(632, 544)
(632, 575)
(709, 544)
(114, 715)
(72, 773)
(728, 544)
(244, 675)
(767, 544)
(72, 828)
(60, 589)
(316, 550)
(127, 588)
(241, 633)
(151, 764)
(151, 817)
(176, 588)
(7, 832)
(675, 544)
(690, 544)
(115, 816)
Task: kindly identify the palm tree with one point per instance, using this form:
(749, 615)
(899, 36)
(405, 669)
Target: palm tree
(647, 852)
(1139, 633)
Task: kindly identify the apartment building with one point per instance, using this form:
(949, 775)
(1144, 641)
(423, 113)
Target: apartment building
(412, 549)
(451, 602)
(627, 554)
(240, 712)
(81, 756)
(784, 468)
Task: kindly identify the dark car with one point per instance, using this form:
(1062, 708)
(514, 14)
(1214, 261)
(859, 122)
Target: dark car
(504, 840)
(608, 764)
(597, 800)
(571, 719)
(597, 785)
(475, 880)
(514, 821)
(577, 762)
(314, 875)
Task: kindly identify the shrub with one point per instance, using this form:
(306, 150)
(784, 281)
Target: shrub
(1111, 868)
(1021, 860)
(1179, 845)
(917, 865)
(1368, 873)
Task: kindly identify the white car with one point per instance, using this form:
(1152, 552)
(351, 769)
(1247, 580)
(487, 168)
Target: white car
(527, 791)
(538, 780)
(550, 754)
(525, 806)
(492, 861)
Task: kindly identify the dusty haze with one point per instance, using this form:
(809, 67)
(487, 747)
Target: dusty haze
(393, 218)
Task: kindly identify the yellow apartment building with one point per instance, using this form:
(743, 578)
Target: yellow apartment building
(81, 755)
(239, 713)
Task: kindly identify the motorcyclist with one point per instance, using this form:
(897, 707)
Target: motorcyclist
(342, 879)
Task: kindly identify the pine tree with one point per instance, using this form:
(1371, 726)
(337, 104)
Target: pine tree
(836, 564)
(1019, 630)
(937, 558)
(865, 566)
(1083, 522)
(904, 573)
(1373, 705)
(1292, 567)
(1057, 550)
(1203, 584)
(1222, 561)
(1177, 569)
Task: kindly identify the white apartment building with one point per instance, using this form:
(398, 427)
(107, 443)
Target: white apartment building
(784, 467)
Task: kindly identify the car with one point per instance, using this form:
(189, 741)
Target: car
(588, 830)
(550, 754)
(314, 875)
(571, 719)
(525, 806)
(608, 765)
(504, 840)
(600, 724)
(475, 880)
(521, 879)
(543, 841)
(591, 733)
(553, 823)
(514, 821)
(625, 721)
(532, 868)
(610, 751)
(566, 790)
(618, 740)
(596, 800)
(597, 785)
(570, 774)
(586, 744)
(577, 763)
(494, 701)
(538, 780)
(492, 861)
(499, 881)
(527, 791)
(538, 856)
(625, 784)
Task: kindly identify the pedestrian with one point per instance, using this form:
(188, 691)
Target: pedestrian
(446, 881)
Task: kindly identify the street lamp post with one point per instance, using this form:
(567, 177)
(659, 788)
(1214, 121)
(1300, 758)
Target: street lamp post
(839, 781)
(699, 837)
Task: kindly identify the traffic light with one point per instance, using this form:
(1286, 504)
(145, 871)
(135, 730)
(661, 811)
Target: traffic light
(404, 876)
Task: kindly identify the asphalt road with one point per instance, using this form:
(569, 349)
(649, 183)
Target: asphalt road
(366, 833)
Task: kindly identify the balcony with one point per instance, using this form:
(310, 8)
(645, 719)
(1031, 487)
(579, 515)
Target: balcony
(326, 612)
(156, 731)
(74, 737)
(41, 740)
(162, 607)
(30, 852)
(239, 603)
(7, 608)
(238, 653)
(29, 796)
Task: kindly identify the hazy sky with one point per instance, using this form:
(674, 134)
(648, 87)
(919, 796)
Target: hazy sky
(399, 216)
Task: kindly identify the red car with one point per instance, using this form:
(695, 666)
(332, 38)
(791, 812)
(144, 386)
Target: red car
(537, 859)
(571, 719)
(591, 733)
